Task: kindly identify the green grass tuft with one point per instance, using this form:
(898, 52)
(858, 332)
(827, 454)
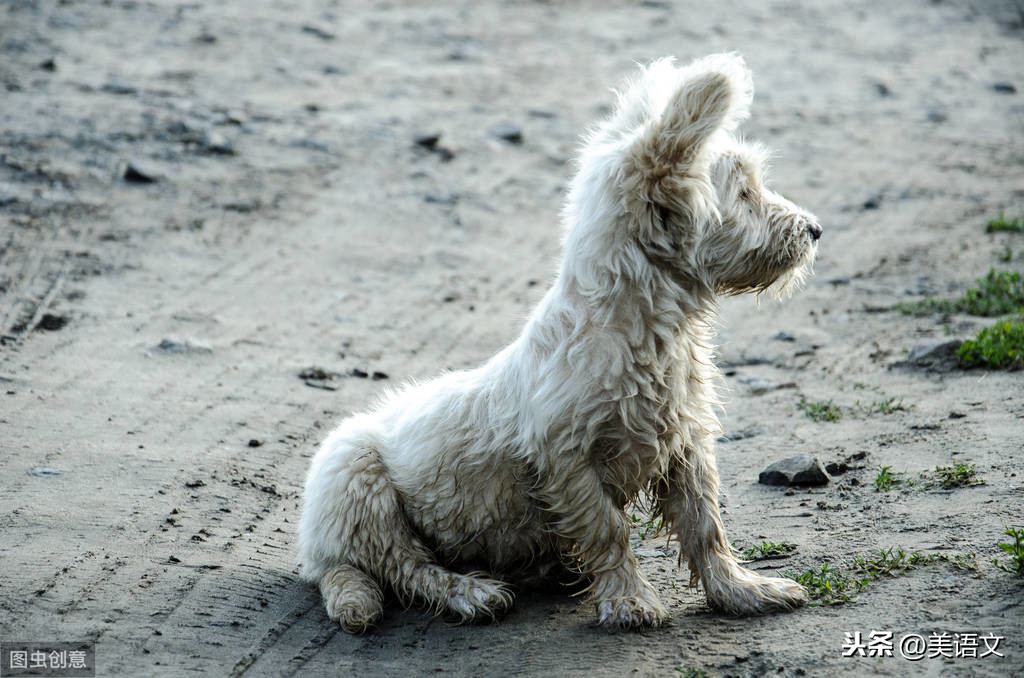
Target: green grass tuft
(831, 586)
(1000, 346)
(884, 406)
(768, 549)
(998, 293)
(893, 562)
(1016, 551)
(958, 475)
(888, 479)
(1001, 223)
(822, 410)
(828, 586)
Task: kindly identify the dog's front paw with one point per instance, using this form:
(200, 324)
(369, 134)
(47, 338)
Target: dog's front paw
(746, 593)
(631, 613)
(477, 597)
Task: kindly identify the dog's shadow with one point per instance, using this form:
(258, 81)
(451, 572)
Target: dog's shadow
(548, 631)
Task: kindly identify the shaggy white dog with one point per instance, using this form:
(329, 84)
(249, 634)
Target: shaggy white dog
(523, 467)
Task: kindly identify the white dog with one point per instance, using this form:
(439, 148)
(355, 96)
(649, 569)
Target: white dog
(526, 464)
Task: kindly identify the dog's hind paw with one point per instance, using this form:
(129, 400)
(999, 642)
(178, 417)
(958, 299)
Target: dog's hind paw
(352, 599)
(630, 613)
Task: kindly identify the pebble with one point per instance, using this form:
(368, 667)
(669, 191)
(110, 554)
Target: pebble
(182, 346)
(508, 132)
(802, 470)
(137, 172)
(42, 471)
(1004, 88)
(319, 32)
(213, 141)
(428, 140)
(116, 86)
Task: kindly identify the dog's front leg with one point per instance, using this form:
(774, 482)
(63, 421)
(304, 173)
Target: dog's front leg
(596, 534)
(688, 501)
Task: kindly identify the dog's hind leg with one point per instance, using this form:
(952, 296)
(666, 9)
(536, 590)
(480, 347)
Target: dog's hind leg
(354, 535)
(688, 500)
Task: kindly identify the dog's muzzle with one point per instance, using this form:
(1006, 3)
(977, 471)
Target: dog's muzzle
(814, 228)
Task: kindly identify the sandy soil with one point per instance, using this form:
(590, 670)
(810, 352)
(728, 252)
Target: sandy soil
(154, 332)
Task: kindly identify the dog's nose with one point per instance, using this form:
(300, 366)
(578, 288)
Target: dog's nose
(814, 229)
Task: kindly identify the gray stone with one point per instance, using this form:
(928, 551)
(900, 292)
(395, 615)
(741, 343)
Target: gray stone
(802, 470)
(933, 351)
(182, 346)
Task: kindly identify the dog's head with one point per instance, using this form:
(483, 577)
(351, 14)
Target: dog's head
(692, 193)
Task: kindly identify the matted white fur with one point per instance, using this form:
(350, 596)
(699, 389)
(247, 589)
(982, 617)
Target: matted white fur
(521, 469)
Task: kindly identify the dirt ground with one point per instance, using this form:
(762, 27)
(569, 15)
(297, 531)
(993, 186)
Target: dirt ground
(199, 201)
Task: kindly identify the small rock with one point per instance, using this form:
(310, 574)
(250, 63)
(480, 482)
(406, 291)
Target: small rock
(801, 471)
(319, 32)
(737, 435)
(182, 346)
(138, 173)
(117, 86)
(957, 415)
(508, 132)
(213, 141)
(937, 116)
(235, 117)
(872, 203)
(933, 351)
(316, 373)
(759, 386)
(1004, 88)
(312, 144)
(51, 322)
(255, 443)
(839, 467)
(784, 336)
(882, 89)
(449, 200)
(192, 484)
(205, 38)
(48, 65)
(427, 141)
(42, 471)
(377, 376)
(358, 373)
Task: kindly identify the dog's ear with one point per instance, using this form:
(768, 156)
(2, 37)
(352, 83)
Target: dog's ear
(714, 94)
(709, 95)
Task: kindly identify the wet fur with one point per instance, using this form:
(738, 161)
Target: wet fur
(522, 469)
